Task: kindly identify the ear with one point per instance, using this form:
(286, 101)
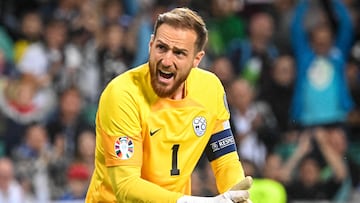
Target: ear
(198, 58)
(151, 41)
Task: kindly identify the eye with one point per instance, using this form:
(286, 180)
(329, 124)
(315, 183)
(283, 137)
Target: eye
(179, 53)
(161, 47)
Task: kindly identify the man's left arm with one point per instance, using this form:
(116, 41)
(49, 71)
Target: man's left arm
(228, 171)
(221, 149)
(224, 160)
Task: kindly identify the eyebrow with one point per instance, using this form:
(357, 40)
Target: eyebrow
(175, 48)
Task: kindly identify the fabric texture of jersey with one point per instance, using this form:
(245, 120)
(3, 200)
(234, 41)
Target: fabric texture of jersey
(164, 137)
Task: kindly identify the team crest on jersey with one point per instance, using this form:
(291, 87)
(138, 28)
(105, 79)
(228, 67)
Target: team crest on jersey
(124, 147)
(199, 125)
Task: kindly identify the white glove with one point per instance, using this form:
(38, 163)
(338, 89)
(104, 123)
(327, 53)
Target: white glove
(239, 194)
(227, 197)
(244, 184)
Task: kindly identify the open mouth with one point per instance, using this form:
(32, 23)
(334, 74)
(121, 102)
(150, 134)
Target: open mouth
(166, 75)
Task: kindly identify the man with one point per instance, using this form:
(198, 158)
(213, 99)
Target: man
(154, 122)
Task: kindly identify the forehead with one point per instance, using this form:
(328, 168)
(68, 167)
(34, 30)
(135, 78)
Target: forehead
(176, 37)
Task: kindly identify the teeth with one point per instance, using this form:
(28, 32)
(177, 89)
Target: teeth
(165, 72)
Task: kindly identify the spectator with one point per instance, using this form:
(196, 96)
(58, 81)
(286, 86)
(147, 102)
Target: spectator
(278, 94)
(23, 102)
(78, 178)
(112, 12)
(10, 189)
(70, 175)
(247, 117)
(86, 149)
(310, 181)
(251, 57)
(272, 167)
(321, 95)
(88, 41)
(114, 58)
(224, 70)
(224, 27)
(67, 122)
(31, 160)
(64, 10)
(282, 10)
(50, 60)
(31, 28)
(45, 60)
(7, 68)
(6, 44)
(265, 189)
(57, 167)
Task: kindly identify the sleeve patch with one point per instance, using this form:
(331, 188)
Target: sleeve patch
(220, 144)
(124, 147)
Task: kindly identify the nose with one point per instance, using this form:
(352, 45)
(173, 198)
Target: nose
(167, 59)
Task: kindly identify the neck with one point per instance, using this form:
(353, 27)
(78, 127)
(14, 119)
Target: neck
(180, 93)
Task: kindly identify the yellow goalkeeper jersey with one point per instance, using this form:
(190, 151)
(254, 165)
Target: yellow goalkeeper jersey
(134, 127)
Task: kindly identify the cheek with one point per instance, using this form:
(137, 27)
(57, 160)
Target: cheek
(153, 56)
(184, 69)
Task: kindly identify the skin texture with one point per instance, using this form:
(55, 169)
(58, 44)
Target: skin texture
(172, 56)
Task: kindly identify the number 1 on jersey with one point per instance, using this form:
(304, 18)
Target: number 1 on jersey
(174, 163)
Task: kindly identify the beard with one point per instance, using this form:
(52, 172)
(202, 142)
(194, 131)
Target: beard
(166, 90)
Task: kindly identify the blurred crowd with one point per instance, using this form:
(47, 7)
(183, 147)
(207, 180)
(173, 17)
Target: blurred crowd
(290, 68)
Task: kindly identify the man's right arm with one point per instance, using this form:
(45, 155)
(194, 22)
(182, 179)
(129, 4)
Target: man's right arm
(128, 186)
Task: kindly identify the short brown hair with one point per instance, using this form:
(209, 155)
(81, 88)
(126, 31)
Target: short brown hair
(185, 18)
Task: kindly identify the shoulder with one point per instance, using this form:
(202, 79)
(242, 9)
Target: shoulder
(203, 83)
(132, 78)
(133, 83)
(203, 77)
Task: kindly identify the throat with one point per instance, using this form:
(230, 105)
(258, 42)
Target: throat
(180, 93)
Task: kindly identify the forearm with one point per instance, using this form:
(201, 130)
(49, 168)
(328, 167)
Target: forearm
(228, 171)
(129, 187)
(344, 37)
(298, 35)
(290, 165)
(334, 160)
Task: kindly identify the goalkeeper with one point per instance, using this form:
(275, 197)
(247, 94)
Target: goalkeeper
(154, 122)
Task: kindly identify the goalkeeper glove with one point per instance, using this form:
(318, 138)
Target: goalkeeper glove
(245, 184)
(237, 193)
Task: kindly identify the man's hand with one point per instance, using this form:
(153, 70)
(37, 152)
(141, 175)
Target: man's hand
(243, 185)
(238, 193)
(232, 196)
